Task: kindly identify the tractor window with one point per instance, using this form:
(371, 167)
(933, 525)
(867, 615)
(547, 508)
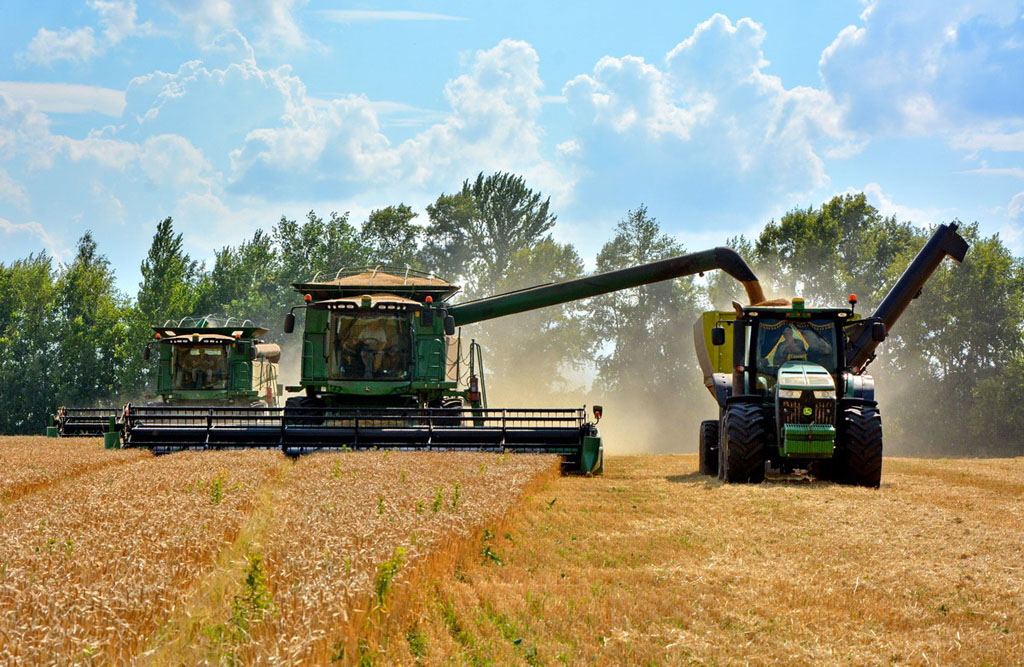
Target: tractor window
(779, 341)
(370, 346)
(198, 367)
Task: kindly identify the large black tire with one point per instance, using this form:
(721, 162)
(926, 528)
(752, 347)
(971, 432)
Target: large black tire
(858, 457)
(708, 447)
(741, 444)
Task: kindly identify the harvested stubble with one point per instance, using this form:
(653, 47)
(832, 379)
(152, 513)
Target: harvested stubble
(89, 568)
(349, 533)
(656, 564)
(28, 464)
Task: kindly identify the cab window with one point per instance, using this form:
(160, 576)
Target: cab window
(370, 346)
(199, 367)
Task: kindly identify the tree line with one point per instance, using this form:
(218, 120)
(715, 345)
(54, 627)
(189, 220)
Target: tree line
(953, 365)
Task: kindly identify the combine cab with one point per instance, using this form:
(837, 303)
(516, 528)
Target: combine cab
(790, 382)
(383, 366)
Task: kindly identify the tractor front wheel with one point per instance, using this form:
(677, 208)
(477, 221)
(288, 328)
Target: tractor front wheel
(858, 458)
(741, 445)
(708, 447)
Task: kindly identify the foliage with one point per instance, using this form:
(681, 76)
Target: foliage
(475, 232)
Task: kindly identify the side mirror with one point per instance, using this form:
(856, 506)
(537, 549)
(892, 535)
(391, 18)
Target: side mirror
(427, 316)
(252, 353)
(598, 411)
(878, 331)
(449, 325)
(289, 323)
(146, 353)
(718, 336)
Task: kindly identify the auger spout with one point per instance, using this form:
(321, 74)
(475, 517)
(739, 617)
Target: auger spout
(552, 294)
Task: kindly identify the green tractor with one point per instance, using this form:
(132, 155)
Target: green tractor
(790, 382)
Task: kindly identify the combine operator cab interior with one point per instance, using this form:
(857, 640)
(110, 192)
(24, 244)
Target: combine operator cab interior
(370, 346)
(199, 367)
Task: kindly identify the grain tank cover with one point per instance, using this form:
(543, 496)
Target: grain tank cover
(414, 285)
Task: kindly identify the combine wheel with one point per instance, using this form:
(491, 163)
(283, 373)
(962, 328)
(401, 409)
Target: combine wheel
(858, 459)
(741, 449)
(708, 447)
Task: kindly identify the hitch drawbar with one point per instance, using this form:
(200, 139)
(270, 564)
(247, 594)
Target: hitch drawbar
(296, 431)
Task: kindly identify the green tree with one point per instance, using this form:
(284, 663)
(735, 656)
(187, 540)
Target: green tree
(391, 238)
(169, 291)
(550, 344)
(317, 246)
(474, 233)
(956, 351)
(641, 327)
(27, 349)
(90, 327)
(824, 253)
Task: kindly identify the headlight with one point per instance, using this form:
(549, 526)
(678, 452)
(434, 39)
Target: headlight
(790, 393)
(827, 393)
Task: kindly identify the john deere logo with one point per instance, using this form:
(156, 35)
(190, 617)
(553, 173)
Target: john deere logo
(807, 411)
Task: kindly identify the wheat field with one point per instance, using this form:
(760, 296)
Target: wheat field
(111, 557)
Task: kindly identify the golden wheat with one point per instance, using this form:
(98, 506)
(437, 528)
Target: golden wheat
(29, 464)
(350, 531)
(90, 567)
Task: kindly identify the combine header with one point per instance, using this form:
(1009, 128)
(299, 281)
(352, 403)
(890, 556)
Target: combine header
(384, 367)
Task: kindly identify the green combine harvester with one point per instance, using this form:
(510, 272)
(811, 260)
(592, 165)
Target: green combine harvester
(207, 361)
(383, 366)
(790, 382)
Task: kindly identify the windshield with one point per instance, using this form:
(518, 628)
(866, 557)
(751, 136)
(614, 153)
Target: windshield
(368, 346)
(780, 341)
(200, 367)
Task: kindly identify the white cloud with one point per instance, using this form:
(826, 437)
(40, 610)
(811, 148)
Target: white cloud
(11, 190)
(272, 21)
(887, 206)
(978, 140)
(49, 47)
(320, 145)
(34, 229)
(1015, 210)
(362, 15)
(65, 97)
(998, 171)
(711, 113)
(117, 19)
(923, 68)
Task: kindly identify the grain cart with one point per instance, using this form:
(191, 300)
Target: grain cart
(790, 382)
(384, 367)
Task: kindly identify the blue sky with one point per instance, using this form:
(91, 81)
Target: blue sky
(227, 114)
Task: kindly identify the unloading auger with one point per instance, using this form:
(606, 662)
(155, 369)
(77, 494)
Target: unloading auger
(382, 367)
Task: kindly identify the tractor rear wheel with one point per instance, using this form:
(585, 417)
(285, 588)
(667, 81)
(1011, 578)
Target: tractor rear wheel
(858, 459)
(741, 444)
(708, 447)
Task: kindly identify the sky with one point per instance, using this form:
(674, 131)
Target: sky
(228, 114)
